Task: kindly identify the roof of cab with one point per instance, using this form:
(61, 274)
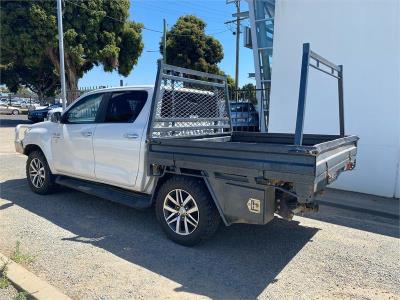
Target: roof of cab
(125, 88)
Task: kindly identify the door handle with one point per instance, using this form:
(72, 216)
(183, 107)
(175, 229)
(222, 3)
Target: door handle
(131, 136)
(87, 133)
(56, 135)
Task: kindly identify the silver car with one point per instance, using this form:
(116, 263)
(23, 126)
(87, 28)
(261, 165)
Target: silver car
(9, 110)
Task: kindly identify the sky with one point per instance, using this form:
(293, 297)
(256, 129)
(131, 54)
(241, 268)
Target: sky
(151, 14)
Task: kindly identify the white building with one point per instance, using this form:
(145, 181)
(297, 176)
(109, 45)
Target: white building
(363, 36)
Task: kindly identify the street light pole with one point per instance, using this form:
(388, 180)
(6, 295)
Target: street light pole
(61, 50)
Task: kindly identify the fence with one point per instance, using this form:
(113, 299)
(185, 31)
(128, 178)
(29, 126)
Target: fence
(72, 95)
(19, 100)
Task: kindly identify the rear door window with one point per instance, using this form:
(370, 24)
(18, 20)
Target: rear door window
(124, 107)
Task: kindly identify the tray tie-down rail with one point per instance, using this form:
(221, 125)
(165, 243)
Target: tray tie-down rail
(312, 59)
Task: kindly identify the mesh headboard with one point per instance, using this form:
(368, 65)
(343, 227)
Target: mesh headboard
(188, 103)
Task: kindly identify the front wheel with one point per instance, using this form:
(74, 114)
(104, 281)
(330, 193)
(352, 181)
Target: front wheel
(40, 178)
(185, 210)
(15, 112)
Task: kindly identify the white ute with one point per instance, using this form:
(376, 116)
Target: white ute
(176, 150)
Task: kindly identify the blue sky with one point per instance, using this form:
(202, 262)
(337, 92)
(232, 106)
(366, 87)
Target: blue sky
(151, 14)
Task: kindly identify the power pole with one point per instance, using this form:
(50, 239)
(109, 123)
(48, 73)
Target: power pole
(237, 47)
(239, 16)
(164, 41)
(61, 50)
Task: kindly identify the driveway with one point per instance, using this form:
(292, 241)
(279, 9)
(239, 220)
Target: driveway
(94, 249)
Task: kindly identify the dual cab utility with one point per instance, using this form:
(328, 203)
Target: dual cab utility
(171, 146)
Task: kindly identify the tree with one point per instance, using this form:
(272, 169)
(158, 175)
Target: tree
(95, 32)
(231, 85)
(249, 92)
(40, 79)
(188, 46)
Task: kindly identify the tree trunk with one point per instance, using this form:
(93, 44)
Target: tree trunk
(40, 96)
(71, 78)
(72, 87)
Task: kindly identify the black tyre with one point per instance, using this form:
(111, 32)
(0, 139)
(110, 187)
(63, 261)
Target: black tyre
(40, 178)
(15, 112)
(185, 210)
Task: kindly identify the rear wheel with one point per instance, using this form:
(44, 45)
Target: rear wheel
(15, 112)
(40, 178)
(185, 210)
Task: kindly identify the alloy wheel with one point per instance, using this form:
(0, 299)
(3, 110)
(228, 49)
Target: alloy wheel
(37, 173)
(181, 212)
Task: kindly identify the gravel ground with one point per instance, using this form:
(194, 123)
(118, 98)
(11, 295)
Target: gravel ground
(93, 249)
(8, 293)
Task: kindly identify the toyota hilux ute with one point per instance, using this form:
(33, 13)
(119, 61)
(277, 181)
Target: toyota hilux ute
(171, 146)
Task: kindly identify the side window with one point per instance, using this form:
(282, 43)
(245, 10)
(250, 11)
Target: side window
(124, 107)
(85, 110)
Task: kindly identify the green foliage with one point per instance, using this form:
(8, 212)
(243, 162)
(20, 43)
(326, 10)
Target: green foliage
(188, 46)
(3, 276)
(40, 78)
(95, 32)
(249, 92)
(231, 84)
(19, 257)
(22, 296)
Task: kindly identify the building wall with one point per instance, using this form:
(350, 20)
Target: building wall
(363, 36)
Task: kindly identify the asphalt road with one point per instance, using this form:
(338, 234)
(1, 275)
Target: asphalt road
(94, 249)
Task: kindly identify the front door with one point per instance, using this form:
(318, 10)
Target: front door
(72, 142)
(117, 140)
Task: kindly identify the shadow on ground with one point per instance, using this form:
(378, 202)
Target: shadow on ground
(374, 222)
(239, 262)
(12, 121)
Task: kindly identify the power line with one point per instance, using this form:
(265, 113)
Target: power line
(165, 10)
(204, 9)
(144, 27)
(179, 9)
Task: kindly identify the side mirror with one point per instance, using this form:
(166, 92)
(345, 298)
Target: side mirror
(55, 117)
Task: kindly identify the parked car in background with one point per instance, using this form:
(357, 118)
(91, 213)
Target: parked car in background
(244, 116)
(33, 106)
(20, 103)
(9, 110)
(52, 111)
(40, 114)
(26, 104)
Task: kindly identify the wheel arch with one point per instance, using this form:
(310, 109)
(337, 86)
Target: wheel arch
(35, 147)
(28, 149)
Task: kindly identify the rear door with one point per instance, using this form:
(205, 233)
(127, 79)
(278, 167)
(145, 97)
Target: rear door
(117, 140)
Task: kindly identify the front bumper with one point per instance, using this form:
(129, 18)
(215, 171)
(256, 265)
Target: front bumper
(20, 131)
(19, 147)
